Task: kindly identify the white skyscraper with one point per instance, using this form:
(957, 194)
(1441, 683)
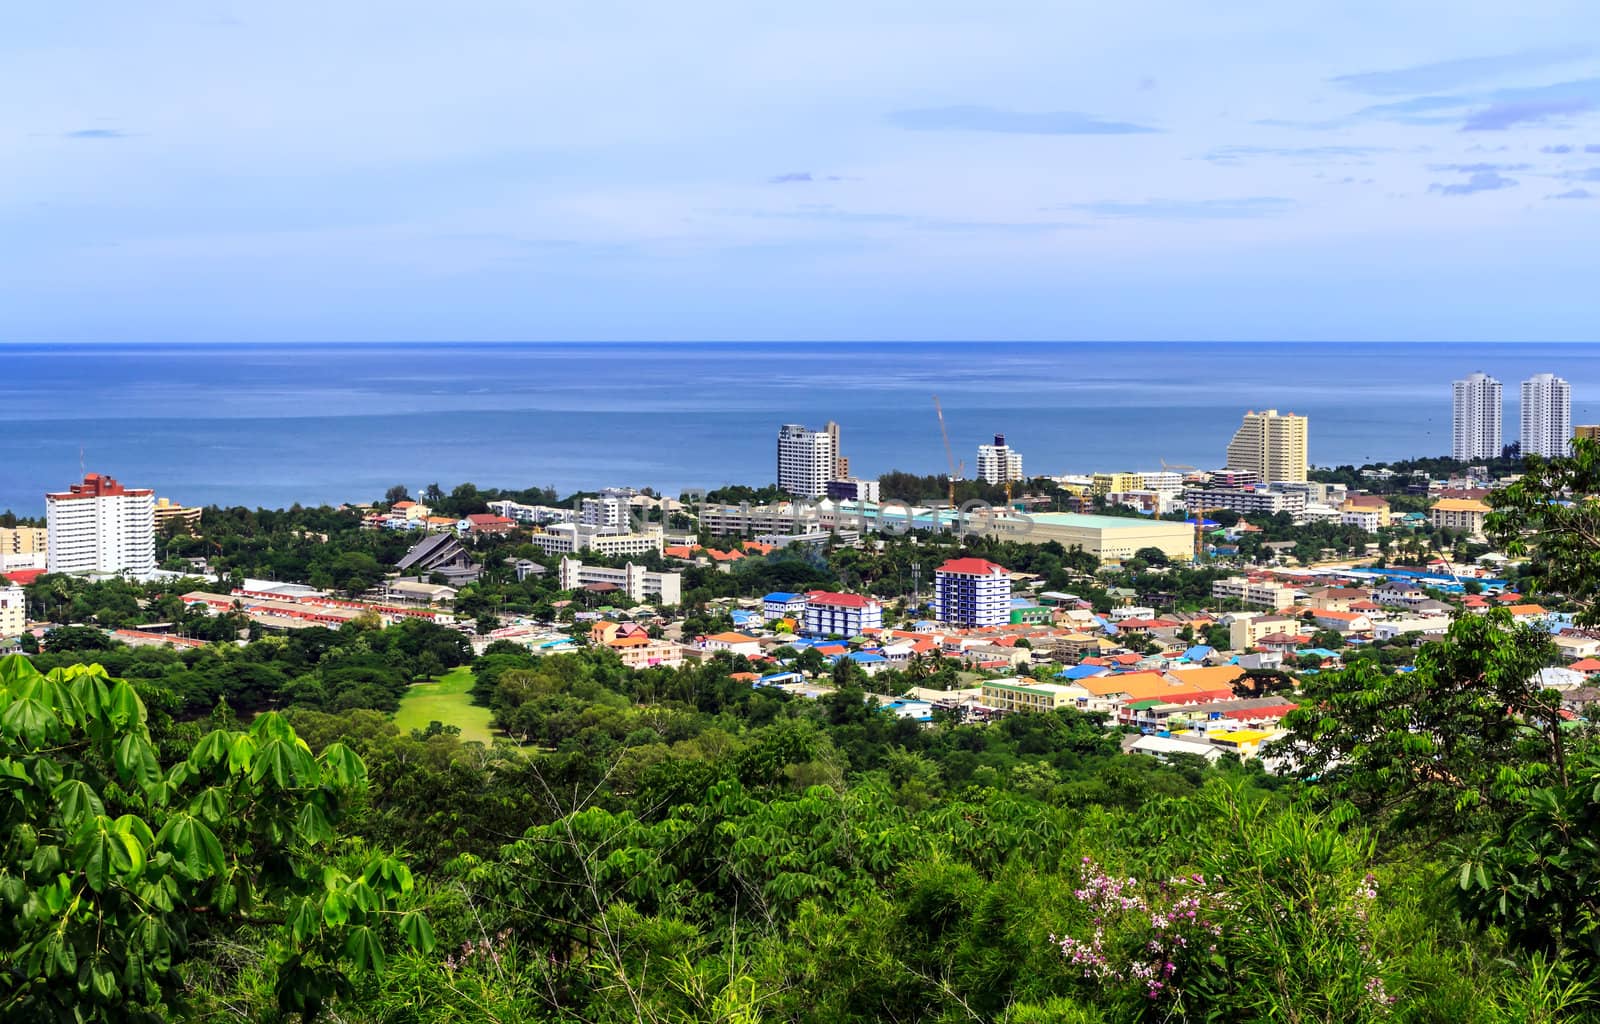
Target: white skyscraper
(807, 460)
(998, 463)
(101, 526)
(1546, 416)
(1475, 431)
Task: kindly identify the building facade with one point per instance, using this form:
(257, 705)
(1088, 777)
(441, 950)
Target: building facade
(1247, 501)
(569, 538)
(972, 592)
(24, 540)
(807, 459)
(101, 526)
(998, 463)
(1270, 445)
(639, 583)
(607, 513)
(13, 612)
(1459, 514)
(1475, 418)
(830, 614)
(1546, 416)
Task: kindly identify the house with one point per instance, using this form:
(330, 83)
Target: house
(781, 605)
(1582, 649)
(1335, 599)
(1344, 622)
(1165, 747)
(733, 643)
(1528, 613)
(1422, 625)
(1399, 592)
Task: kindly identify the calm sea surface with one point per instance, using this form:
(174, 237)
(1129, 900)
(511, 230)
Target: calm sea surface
(272, 425)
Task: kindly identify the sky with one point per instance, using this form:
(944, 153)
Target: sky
(520, 170)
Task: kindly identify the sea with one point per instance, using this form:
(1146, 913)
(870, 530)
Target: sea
(271, 425)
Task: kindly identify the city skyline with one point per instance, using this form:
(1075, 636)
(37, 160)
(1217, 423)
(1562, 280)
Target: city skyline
(833, 172)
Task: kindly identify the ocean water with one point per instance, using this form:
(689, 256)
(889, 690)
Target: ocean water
(272, 425)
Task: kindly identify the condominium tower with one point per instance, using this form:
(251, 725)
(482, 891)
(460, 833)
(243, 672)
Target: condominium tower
(101, 526)
(998, 463)
(807, 459)
(1271, 446)
(1546, 416)
(1475, 418)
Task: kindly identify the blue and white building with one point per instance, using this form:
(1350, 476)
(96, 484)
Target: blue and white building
(972, 592)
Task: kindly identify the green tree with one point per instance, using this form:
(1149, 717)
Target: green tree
(1553, 515)
(112, 865)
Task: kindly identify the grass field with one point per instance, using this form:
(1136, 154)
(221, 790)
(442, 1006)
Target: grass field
(445, 700)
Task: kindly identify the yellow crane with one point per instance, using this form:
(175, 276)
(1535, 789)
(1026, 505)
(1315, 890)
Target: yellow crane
(1200, 529)
(948, 454)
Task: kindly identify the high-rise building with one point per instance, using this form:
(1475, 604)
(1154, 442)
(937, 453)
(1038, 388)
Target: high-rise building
(807, 459)
(841, 464)
(972, 592)
(101, 526)
(1546, 416)
(1475, 419)
(998, 462)
(1271, 446)
(609, 513)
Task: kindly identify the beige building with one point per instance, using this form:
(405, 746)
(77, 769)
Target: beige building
(1586, 432)
(1261, 593)
(1459, 514)
(1247, 629)
(1109, 538)
(13, 612)
(1270, 445)
(23, 540)
(1367, 511)
(169, 511)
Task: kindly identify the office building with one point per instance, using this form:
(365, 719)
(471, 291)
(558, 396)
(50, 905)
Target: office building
(971, 592)
(807, 459)
(1546, 416)
(846, 615)
(1271, 446)
(998, 463)
(101, 526)
(1475, 419)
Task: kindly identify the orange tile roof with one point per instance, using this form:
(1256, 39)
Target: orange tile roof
(732, 638)
(1526, 609)
(1585, 665)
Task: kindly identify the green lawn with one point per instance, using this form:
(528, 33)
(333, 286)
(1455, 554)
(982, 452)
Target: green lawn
(446, 700)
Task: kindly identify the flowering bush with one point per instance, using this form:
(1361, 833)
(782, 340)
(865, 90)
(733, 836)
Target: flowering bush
(1156, 943)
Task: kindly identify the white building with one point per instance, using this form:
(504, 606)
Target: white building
(1475, 419)
(608, 513)
(569, 538)
(1163, 481)
(1546, 416)
(533, 514)
(13, 612)
(1260, 593)
(998, 463)
(972, 592)
(830, 614)
(807, 460)
(639, 583)
(100, 526)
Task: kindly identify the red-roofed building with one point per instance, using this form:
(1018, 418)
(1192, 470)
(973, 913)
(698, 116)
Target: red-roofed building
(831, 614)
(1588, 666)
(22, 577)
(482, 522)
(972, 592)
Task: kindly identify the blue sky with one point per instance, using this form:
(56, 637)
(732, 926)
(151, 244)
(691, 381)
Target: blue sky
(491, 169)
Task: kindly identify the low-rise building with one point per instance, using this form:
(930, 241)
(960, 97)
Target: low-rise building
(1260, 593)
(1246, 501)
(639, 583)
(1459, 514)
(1421, 625)
(832, 614)
(1246, 630)
(733, 643)
(781, 605)
(170, 515)
(13, 611)
(570, 538)
(1012, 695)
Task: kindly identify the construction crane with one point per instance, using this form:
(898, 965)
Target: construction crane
(948, 454)
(1200, 529)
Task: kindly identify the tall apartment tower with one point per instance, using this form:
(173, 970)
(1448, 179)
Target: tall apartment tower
(807, 459)
(1271, 446)
(998, 463)
(841, 464)
(1546, 416)
(1475, 419)
(101, 526)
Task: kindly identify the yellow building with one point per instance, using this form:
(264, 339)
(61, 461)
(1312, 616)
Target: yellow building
(168, 511)
(23, 540)
(1022, 695)
(1271, 446)
(1459, 514)
(1366, 507)
(13, 612)
(1586, 432)
(1115, 483)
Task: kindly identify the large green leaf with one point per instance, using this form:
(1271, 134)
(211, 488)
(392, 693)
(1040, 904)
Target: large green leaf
(76, 800)
(28, 719)
(193, 846)
(364, 950)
